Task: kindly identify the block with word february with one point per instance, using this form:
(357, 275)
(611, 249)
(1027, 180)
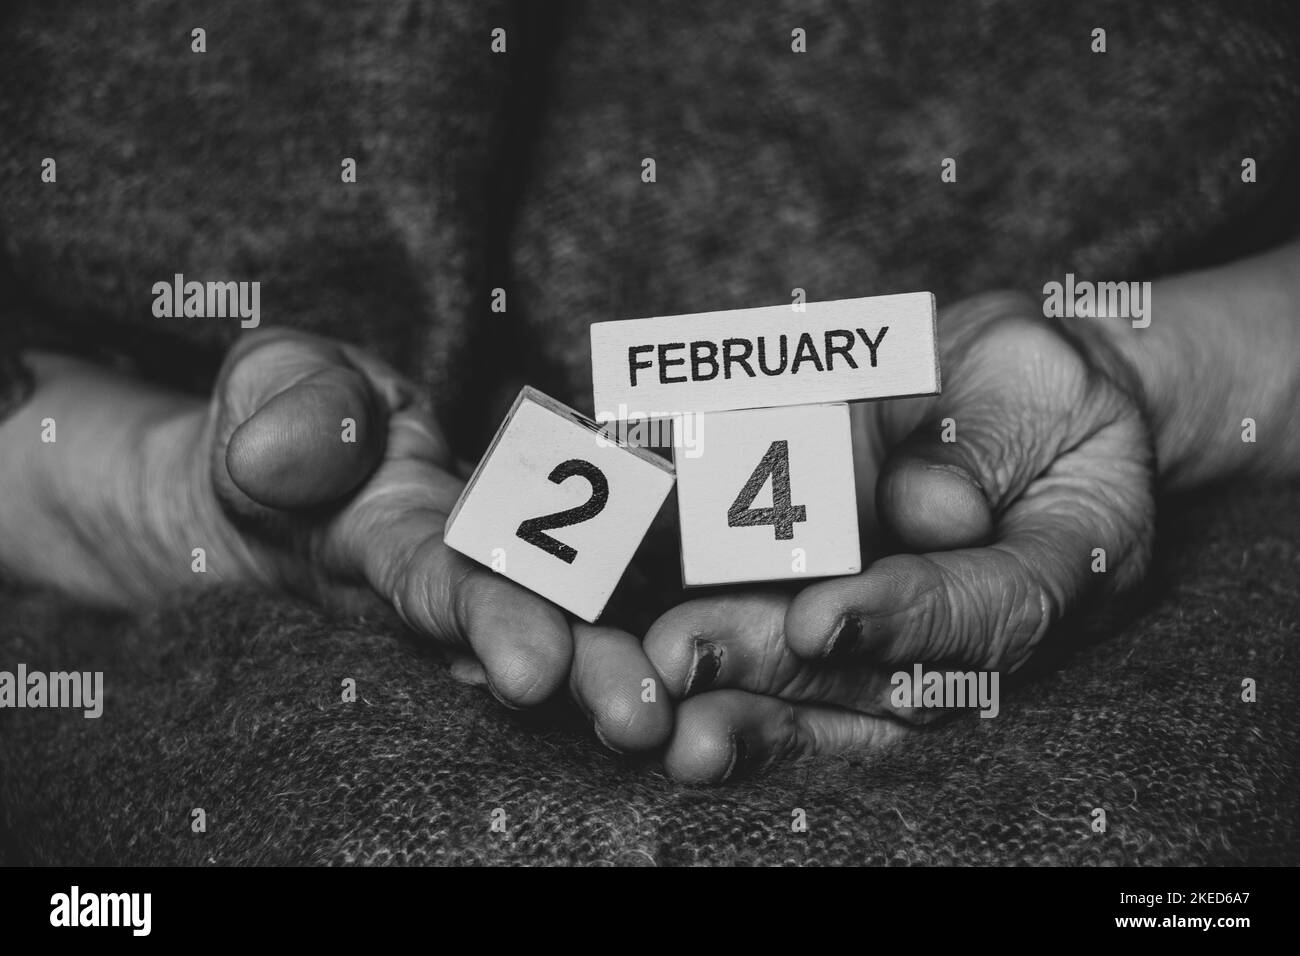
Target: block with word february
(557, 506)
(841, 351)
(769, 496)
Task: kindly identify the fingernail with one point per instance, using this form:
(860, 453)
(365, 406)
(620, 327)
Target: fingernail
(469, 672)
(605, 740)
(739, 753)
(705, 667)
(500, 700)
(847, 634)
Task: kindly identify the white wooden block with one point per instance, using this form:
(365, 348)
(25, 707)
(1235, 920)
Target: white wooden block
(841, 351)
(557, 506)
(770, 496)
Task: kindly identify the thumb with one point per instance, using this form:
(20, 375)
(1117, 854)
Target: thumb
(930, 495)
(299, 424)
(986, 437)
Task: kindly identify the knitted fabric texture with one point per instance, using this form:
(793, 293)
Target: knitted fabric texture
(227, 166)
(821, 171)
(233, 703)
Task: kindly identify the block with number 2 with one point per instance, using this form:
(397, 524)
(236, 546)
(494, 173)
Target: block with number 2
(770, 497)
(557, 506)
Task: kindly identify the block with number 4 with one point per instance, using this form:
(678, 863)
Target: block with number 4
(769, 496)
(557, 505)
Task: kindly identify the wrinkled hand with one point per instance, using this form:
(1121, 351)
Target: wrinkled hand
(349, 523)
(993, 533)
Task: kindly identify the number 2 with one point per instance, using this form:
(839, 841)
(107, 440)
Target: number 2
(783, 515)
(533, 530)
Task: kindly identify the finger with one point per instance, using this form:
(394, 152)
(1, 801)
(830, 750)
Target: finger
(467, 669)
(1017, 398)
(738, 642)
(733, 641)
(930, 498)
(391, 538)
(615, 684)
(311, 443)
(989, 607)
(298, 424)
(727, 734)
(524, 643)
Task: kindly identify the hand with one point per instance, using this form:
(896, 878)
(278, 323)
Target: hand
(263, 478)
(994, 535)
(346, 522)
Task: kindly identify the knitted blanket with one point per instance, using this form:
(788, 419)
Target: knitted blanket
(233, 704)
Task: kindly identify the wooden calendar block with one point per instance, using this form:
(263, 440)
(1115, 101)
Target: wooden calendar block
(770, 496)
(558, 506)
(841, 351)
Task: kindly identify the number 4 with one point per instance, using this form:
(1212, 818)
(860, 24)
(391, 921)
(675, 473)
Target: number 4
(783, 515)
